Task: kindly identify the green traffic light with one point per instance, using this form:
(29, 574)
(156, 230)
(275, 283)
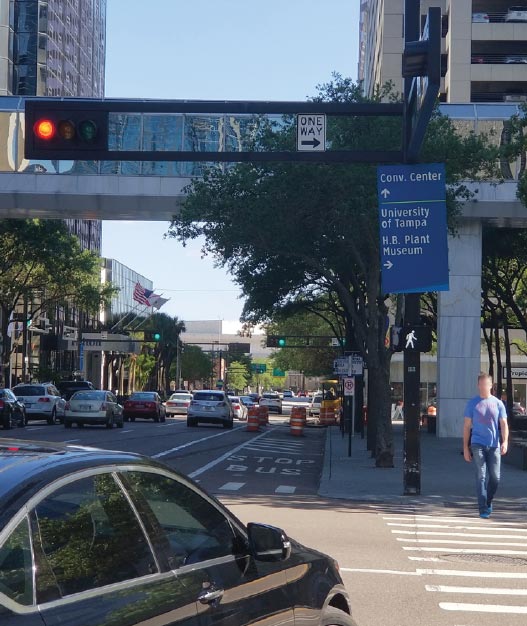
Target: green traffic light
(157, 336)
(281, 342)
(87, 130)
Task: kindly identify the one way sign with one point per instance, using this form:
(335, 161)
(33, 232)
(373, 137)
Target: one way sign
(311, 133)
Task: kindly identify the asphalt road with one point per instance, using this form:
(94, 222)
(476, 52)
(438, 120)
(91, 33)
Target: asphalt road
(403, 565)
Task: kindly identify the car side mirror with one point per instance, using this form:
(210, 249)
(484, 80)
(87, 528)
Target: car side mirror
(268, 543)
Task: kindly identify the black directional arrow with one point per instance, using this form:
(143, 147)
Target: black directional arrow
(313, 142)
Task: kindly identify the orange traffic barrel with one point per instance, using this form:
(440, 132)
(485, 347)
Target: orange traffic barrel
(328, 417)
(263, 415)
(299, 411)
(253, 419)
(297, 425)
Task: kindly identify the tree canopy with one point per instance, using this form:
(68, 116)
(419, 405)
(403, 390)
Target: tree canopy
(291, 230)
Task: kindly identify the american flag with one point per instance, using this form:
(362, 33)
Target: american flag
(141, 294)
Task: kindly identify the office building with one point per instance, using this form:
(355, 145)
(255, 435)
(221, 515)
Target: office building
(484, 50)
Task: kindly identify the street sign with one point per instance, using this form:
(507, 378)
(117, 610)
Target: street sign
(349, 386)
(278, 372)
(259, 368)
(341, 366)
(356, 365)
(311, 133)
(413, 228)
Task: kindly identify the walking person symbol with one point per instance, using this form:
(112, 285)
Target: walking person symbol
(410, 340)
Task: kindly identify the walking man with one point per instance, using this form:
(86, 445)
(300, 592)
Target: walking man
(485, 421)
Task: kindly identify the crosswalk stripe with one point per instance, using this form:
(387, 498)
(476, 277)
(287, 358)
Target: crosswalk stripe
(468, 520)
(484, 608)
(491, 591)
(448, 527)
(430, 559)
(464, 551)
(232, 486)
(472, 574)
(443, 534)
(285, 489)
(457, 542)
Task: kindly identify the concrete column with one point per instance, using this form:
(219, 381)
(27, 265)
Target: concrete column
(459, 329)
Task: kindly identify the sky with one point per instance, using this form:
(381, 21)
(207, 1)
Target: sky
(218, 50)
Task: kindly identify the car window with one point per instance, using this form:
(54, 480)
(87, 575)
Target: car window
(143, 396)
(9, 394)
(181, 396)
(209, 397)
(29, 390)
(16, 566)
(88, 395)
(194, 529)
(86, 536)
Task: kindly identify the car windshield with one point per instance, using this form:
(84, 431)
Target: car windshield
(246, 399)
(271, 396)
(209, 397)
(29, 390)
(317, 399)
(143, 396)
(180, 396)
(234, 399)
(89, 395)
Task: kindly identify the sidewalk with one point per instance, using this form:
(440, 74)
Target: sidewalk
(445, 476)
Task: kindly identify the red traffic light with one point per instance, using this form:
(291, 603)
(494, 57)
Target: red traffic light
(45, 129)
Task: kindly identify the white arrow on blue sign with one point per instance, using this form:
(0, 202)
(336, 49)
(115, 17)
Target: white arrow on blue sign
(413, 228)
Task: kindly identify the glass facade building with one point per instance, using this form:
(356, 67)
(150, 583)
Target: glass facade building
(125, 279)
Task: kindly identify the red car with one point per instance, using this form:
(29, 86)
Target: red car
(147, 404)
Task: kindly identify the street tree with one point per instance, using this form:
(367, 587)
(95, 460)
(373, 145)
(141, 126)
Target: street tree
(237, 376)
(167, 349)
(196, 365)
(285, 229)
(42, 265)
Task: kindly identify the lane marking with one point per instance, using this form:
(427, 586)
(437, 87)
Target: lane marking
(70, 440)
(491, 591)
(483, 608)
(456, 542)
(126, 431)
(443, 534)
(33, 428)
(232, 486)
(285, 489)
(225, 456)
(457, 527)
(465, 551)
(193, 443)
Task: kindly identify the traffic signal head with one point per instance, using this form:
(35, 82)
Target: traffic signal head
(153, 336)
(276, 341)
(64, 130)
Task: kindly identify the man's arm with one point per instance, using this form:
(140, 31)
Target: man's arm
(504, 428)
(467, 427)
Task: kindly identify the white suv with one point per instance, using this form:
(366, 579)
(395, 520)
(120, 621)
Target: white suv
(42, 401)
(516, 14)
(272, 401)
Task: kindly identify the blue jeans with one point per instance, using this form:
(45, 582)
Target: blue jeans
(488, 462)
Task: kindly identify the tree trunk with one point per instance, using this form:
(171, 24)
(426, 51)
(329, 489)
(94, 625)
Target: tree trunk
(488, 340)
(497, 343)
(508, 365)
(384, 450)
(5, 350)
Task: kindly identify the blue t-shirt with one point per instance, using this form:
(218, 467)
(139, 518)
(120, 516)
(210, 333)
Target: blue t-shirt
(485, 414)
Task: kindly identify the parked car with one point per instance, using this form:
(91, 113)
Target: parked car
(100, 537)
(480, 18)
(516, 14)
(12, 411)
(93, 407)
(239, 409)
(68, 387)
(255, 397)
(178, 403)
(272, 401)
(210, 407)
(519, 416)
(288, 394)
(514, 59)
(314, 406)
(146, 404)
(41, 401)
